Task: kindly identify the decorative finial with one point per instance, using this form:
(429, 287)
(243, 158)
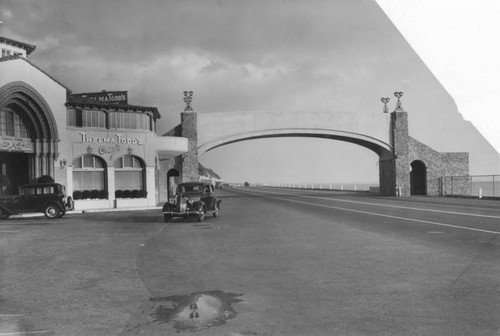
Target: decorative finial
(385, 100)
(188, 98)
(398, 95)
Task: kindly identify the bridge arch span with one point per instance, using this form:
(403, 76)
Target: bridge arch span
(381, 148)
(387, 135)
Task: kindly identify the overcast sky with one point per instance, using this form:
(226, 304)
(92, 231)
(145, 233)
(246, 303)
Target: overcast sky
(321, 55)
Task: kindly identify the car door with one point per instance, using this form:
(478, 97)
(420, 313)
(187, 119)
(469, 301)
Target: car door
(44, 196)
(27, 200)
(208, 197)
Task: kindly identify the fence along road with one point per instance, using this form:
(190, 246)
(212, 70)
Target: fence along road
(479, 185)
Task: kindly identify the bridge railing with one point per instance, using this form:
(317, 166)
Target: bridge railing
(471, 185)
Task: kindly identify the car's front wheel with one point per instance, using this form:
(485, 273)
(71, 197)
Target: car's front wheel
(201, 215)
(52, 211)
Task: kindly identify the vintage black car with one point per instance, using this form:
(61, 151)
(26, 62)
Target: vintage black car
(192, 199)
(48, 198)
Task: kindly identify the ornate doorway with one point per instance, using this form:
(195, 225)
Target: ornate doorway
(28, 135)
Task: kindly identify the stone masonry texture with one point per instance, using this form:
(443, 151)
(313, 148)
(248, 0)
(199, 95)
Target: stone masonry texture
(190, 159)
(438, 165)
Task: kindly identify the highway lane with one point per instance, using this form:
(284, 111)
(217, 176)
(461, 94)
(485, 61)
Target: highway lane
(328, 263)
(290, 262)
(464, 214)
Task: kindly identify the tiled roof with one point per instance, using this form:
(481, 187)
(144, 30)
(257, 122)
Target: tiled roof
(78, 101)
(28, 47)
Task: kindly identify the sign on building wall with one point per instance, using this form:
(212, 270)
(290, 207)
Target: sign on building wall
(110, 144)
(112, 97)
(16, 145)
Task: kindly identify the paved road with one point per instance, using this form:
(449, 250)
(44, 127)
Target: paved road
(276, 262)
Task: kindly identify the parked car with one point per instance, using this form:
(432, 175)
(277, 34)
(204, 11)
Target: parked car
(48, 198)
(192, 199)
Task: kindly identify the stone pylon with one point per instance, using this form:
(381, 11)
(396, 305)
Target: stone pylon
(190, 159)
(401, 149)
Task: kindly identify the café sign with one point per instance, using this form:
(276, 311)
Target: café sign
(111, 149)
(117, 139)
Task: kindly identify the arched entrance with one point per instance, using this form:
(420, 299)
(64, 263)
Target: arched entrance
(418, 178)
(172, 174)
(28, 135)
(14, 166)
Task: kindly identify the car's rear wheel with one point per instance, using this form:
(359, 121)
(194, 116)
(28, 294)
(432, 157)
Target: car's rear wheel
(4, 214)
(52, 211)
(167, 218)
(216, 211)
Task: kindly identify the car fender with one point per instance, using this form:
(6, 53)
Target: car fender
(6, 210)
(61, 207)
(70, 203)
(168, 207)
(214, 203)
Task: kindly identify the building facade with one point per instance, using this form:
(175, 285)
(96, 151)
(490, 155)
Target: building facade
(104, 150)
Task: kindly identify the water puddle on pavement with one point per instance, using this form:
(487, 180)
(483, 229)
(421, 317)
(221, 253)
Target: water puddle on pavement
(196, 311)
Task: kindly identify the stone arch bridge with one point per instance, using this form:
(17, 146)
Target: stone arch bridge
(406, 166)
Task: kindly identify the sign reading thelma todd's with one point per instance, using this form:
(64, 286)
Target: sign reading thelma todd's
(113, 97)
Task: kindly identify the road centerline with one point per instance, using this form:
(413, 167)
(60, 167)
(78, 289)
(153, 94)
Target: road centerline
(387, 216)
(403, 207)
(388, 205)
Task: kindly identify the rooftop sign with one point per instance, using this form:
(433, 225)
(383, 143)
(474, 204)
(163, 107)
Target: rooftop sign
(112, 97)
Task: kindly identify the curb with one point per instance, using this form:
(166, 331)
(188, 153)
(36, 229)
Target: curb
(72, 212)
(115, 209)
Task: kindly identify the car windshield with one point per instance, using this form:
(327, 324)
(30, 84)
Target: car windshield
(190, 188)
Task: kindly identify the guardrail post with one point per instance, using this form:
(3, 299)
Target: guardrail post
(494, 194)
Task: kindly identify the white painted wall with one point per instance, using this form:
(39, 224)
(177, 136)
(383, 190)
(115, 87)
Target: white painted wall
(144, 144)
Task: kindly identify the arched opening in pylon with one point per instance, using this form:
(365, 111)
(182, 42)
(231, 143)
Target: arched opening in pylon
(418, 178)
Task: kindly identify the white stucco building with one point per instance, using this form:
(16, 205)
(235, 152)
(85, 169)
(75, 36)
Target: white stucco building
(104, 150)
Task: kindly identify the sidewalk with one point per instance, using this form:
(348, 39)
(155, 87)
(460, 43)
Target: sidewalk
(36, 214)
